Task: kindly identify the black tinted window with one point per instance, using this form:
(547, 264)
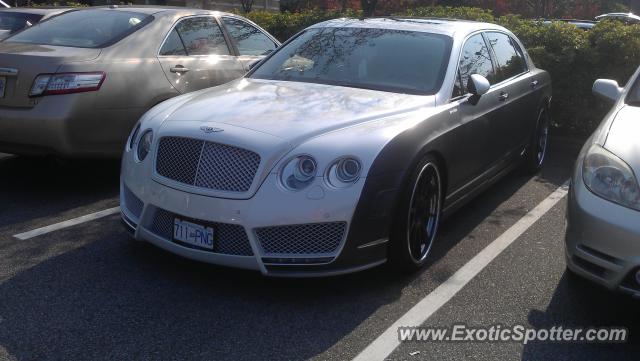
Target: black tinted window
(475, 59)
(15, 21)
(83, 28)
(382, 59)
(510, 61)
(173, 45)
(202, 36)
(248, 39)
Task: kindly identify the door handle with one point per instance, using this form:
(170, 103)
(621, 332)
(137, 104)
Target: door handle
(179, 69)
(503, 96)
(534, 84)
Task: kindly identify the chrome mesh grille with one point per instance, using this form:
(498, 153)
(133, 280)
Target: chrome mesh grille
(132, 202)
(207, 164)
(178, 158)
(228, 239)
(303, 239)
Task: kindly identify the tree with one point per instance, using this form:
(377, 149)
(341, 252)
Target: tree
(369, 7)
(246, 5)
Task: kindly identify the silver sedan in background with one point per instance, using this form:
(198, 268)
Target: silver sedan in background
(603, 228)
(76, 84)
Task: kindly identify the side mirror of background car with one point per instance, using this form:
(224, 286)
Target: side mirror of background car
(478, 86)
(607, 89)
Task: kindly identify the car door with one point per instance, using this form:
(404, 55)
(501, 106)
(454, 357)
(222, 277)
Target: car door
(512, 122)
(474, 135)
(250, 42)
(195, 55)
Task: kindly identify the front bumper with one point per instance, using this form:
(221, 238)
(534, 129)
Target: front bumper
(602, 239)
(148, 210)
(66, 125)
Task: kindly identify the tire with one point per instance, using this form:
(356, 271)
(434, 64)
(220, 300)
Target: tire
(417, 218)
(537, 150)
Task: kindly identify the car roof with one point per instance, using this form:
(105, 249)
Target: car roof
(619, 15)
(38, 10)
(449, 27)
(153, 9)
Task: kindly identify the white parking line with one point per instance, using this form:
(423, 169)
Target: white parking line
(65, 224)
(388, 341)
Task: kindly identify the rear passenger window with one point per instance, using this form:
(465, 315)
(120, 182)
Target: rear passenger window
(202, 36)
(173, 45)
(508, 56)
(475, 59)
(249, 39)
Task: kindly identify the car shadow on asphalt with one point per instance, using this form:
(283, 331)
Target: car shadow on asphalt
(32, 188)
(578, 303)
(109, 297)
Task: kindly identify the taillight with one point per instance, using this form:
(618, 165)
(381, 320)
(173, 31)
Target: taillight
(66, 83)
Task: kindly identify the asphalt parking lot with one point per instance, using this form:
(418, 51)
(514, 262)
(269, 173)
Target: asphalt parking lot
(88, 292)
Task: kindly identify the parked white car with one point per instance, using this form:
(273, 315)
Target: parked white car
(603, 213)
(342, 149)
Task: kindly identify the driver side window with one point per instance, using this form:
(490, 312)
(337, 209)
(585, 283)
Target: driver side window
(474, 59)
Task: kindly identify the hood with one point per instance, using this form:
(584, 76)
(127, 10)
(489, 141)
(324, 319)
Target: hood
(292, 111)
(4, 34)
(622, 139)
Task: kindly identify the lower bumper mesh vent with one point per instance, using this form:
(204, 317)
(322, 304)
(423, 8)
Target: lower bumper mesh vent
(303, 239)
(229, 239)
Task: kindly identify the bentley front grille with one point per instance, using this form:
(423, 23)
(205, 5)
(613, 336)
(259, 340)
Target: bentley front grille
(206, 164)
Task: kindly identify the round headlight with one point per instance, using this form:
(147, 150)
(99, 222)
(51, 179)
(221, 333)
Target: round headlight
(344, 172)
(144, 145)
(299, 172)
(134, 135)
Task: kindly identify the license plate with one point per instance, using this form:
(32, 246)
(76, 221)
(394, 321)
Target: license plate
(3, 85)
(193, 234)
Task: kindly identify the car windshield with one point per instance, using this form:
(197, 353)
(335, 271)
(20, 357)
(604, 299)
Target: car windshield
(381, 59)
(15, 21)
(83, 29)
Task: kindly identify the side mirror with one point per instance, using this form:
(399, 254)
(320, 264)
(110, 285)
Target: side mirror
(478, 86)
(607, 89)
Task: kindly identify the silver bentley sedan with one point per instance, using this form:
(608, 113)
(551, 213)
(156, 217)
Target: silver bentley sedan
(76, 84)
(340, 151)
(603, 216)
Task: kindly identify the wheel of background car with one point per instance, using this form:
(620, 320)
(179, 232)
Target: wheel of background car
(537, 151)
(418, 217)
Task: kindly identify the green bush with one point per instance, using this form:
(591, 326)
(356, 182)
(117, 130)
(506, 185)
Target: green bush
(575, 58)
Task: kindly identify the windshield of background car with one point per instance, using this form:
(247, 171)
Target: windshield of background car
(15, 21)
(83, 29)
(380, 59)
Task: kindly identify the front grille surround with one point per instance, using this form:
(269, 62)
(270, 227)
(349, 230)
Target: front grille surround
(230, 239)
(302, 240)
(206, 165)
